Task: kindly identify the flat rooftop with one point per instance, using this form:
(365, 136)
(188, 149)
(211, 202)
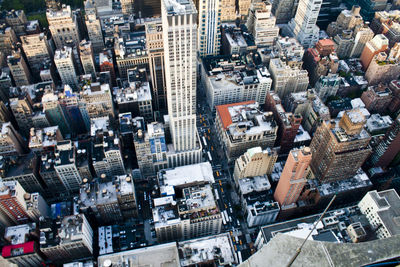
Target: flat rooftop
(165, 255)
(207, 249)
(189, 174)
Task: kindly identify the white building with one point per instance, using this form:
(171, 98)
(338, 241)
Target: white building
(287, 79)
(76, 236)
(209, 39)
(180, 43)
(261, 23)
(383, 211)
(304, 24)
(65, 166)
(98, 99)
(230, 81)
(65, 63)
(63, 26)
(362, 35)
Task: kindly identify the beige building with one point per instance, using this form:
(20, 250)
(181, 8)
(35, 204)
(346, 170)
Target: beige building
(19, 69)
(244, 7)
(261, 23)
(63, 26)
(93, 26)
(155, 50)
(127, 7)
(384, 68)
(255, 162)
(11, 142)
(242, 126)
(87, 57)
(342, 146)
(22, 108)
(382, 211)
(228, 10)
(98, 100)
(37, 50)
(347, 20)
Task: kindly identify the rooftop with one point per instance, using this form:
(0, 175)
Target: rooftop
(217, 248)
(254, 184)
(179, 7)
(335, 222)
(317, 253)
(185, 175)
(19, 234)
(72, 228)
(165, 255)
(388, 203)
(376, 123)
(136, 92)
(360, 180)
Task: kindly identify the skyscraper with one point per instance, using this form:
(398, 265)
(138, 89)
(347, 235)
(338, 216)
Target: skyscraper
(304, 25)
(341, 147)
(180, 42)
(87, 57)
(209, 39)
(293, 177)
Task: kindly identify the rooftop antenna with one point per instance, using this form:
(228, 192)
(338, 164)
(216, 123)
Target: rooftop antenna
(298, 250)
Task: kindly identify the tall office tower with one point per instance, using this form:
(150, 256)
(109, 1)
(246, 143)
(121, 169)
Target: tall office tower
(87, 57)
(373, 47)
(66, 167)
(37, 50)
(180, 43)
(388, 147)
(98, 100)
(293, 177)
(303, 25)
(63, 26)
(127, 7)
(362, 35)
(155, 51)
(228, 10)
(19, 69)
(341, 147)
(284, 10)
(255, 162)
(93, 26)
(22, 108)
(64, 60)
(11, 142)
(261, 23)
(54, 112)
(370, 7)
(209, 33)
(12, 202)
